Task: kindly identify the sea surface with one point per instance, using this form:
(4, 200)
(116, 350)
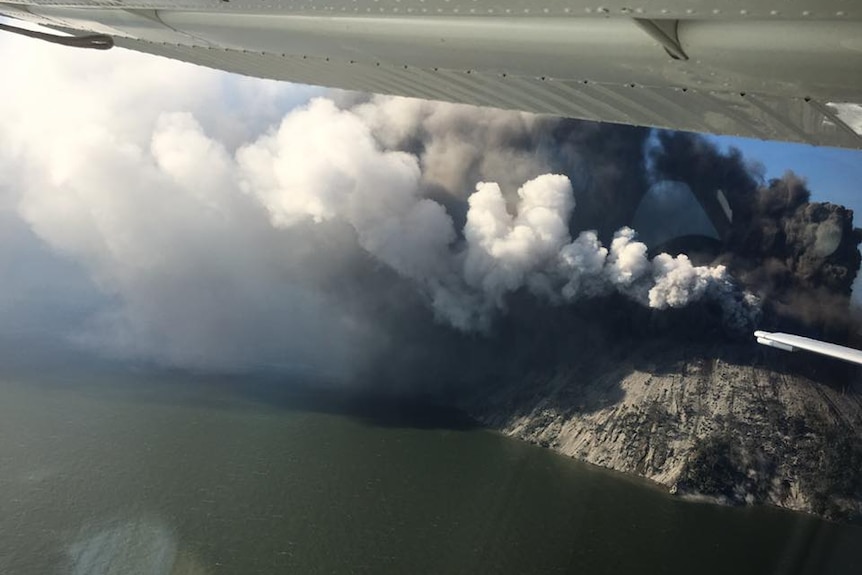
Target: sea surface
(137, 474)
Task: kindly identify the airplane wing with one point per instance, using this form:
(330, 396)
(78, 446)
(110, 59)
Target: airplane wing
(789, 342)
(769, 69)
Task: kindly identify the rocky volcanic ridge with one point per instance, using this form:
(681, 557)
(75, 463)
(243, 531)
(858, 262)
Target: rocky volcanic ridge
(711, 428)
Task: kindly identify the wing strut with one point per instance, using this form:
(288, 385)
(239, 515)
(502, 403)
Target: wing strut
(789, 342)
(92, 41)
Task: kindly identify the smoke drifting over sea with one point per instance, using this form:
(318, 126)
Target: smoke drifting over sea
(215, 225)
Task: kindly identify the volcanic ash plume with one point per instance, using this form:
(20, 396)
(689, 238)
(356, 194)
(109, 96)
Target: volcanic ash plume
(800, 256)
(221, 226)
(339, 171)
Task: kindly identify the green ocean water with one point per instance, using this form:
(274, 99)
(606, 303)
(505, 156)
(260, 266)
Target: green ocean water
(160, 475)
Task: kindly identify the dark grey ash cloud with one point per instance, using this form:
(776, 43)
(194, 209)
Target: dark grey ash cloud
(800, 256)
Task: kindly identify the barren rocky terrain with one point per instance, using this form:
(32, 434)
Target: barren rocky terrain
(739, 426)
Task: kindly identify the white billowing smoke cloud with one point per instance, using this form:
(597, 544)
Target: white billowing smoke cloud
(502, 250)
(216, 233)
(322, 163)
(533, 250)
(506, 252)
(124, 164)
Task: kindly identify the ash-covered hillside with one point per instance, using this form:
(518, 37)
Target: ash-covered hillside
(696, 410)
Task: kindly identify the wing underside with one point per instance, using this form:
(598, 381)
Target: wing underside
(775, 69)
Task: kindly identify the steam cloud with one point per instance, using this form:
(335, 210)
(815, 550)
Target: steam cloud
(223, 226)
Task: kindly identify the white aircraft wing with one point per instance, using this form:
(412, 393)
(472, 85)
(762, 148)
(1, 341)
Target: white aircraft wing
(770, 69)
(789, 342)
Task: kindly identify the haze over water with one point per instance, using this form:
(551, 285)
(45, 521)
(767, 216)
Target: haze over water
(131, 474)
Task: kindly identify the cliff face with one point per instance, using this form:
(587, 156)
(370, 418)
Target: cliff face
(699, 422)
